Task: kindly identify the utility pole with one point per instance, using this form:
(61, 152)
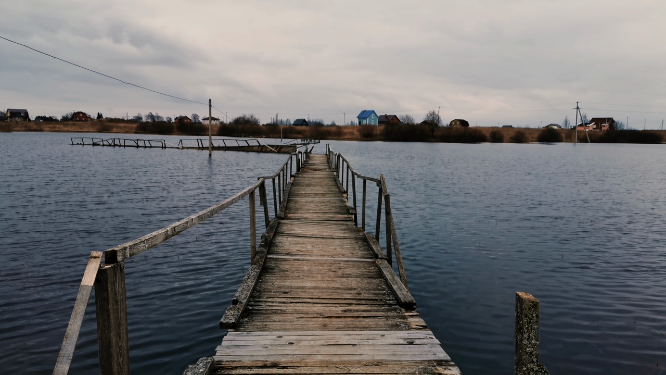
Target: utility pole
(576, 124)
(210, 128)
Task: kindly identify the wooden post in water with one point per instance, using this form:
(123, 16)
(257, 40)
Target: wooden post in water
(363, 214)
(379, 213)
(274, 197)
(253, 228)
(527, 336)
(111, 306)
(263, 200)
(387, 213)
(347, 186)
(354, 192)
(279, 188)
(210, 129)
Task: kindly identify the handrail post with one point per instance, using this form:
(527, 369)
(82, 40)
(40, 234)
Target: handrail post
(354, 192)
(279, 177)
(363, 214)
(291, 167)
(347, 186)
(111, 307)
(264, 201)
(526, 360)
(387, 212)
(379, 213)
(274, 197)
(253, 228)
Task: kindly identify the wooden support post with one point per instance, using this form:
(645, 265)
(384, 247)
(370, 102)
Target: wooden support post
(354, 192)
(253, 228)
(527, 336)
(363, 214)
(210, 129)
(291, 169)
(347, 186)
(71, 335)
(263, 200)
(379, 213)
(279, 177)
(111, 305)
(274, 197)
(387, 213)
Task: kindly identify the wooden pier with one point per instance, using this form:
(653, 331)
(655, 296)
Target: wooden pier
(321, 296)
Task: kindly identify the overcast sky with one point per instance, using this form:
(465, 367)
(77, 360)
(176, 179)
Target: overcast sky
(490, 62)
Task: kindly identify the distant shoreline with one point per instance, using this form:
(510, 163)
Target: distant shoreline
(404, 133)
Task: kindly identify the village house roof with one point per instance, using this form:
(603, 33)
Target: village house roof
(602, 120)
(366, 113)
(206, 118)
(388, 118)
(17, 112)
(300, 122)
(459, 122)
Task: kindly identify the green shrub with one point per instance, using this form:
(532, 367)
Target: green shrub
(496, 136)
(549, 135)
(519, 137)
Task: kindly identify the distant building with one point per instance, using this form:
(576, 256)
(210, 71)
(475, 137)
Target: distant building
(214, 121)
(552, 126)
(388, 119)
(17, 115)
(182, 120)
(81, 117)
(300, 122)
(602, 123)
(368, 117)
(3, 116)
(507, 126)
(459, 123)
(427, 123)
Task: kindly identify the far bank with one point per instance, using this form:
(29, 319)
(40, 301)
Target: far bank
(391, 133)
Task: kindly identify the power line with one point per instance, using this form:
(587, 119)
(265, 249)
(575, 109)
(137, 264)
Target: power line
(102, 74)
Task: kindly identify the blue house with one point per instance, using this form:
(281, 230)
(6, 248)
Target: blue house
(368, 117)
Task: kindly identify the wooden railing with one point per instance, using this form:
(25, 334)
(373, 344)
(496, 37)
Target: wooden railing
(109, 278)
(345, 173)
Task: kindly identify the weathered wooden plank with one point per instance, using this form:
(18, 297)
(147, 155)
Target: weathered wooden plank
(71, 335)
(112, 331)
(401, 294)
(320, 258)
(246, 288)
(338, 367)
(374, 245)
(138, 246)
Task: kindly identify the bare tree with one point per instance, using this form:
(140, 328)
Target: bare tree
(566, 123)
(583, 118)
(433, 120)
(407, 120)
(138, 118)
(195, 118)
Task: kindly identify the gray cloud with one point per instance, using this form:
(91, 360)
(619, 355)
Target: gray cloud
(488, 61)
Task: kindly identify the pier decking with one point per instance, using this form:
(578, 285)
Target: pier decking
(320, 296)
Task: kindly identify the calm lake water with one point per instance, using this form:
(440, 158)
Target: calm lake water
(579, 227)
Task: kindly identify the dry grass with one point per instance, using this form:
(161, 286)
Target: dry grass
(404, 133)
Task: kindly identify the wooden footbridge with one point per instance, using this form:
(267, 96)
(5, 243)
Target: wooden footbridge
(320, 296)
